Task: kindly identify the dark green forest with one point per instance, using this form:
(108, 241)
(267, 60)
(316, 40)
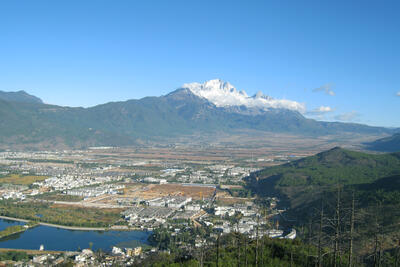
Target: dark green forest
(340, 195)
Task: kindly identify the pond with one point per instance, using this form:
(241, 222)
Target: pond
(53, 238)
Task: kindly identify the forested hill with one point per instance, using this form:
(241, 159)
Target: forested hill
(335, 166)
(318, 183)
(303, 181)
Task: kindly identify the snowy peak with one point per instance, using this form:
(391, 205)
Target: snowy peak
(224, 94)
(218, 92)
(213, 87)
(261, 95)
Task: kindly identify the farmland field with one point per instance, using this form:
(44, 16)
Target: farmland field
(21, 179)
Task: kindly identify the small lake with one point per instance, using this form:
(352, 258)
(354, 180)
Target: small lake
(70, 240)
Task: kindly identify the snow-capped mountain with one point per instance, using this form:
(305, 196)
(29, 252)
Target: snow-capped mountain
(214, 107)
(224, 94)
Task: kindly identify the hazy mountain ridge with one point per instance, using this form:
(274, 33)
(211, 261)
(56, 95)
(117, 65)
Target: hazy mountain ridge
(20, 96)
(387, 144)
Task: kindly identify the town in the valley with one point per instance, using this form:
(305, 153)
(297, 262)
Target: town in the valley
(175, 191)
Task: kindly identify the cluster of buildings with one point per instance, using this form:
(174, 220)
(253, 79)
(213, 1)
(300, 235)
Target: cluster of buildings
(111, 189)
(185, 214)
(245, 209)
(156, 211)
(249, 226)
(86, 257)
(67, 182)
(209, 174)
(170, 201)
(147, 217)
(129, 252)
(171, 172)
(13, 195)
(14, 192)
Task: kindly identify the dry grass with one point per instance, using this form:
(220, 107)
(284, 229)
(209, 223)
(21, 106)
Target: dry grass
(231, 201)
(31, 251)
(22, 179)
(196, 192)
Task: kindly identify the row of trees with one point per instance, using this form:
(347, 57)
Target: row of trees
(237, 249)
(13, 256)
(346, 226)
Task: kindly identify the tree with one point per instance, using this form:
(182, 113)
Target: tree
(258, 224)
(320, 235)
(351, 234)
(218, 250)
(337, 224)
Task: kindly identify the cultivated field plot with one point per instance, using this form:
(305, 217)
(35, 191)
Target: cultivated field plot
(195, 192)
(21, 179)
(228, 201)
(155, 190)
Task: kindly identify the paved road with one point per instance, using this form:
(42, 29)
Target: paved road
(74, 227)
(13, 219)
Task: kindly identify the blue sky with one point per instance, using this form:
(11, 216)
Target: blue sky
(83, 53)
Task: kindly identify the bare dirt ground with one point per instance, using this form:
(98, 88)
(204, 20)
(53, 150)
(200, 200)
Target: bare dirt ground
(155, 190)
(195, 192)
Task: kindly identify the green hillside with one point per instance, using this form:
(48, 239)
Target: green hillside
(301, 181)
(308, 185)
(334, 166)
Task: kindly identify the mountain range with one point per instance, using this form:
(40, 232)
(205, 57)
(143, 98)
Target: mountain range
(212, 107)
